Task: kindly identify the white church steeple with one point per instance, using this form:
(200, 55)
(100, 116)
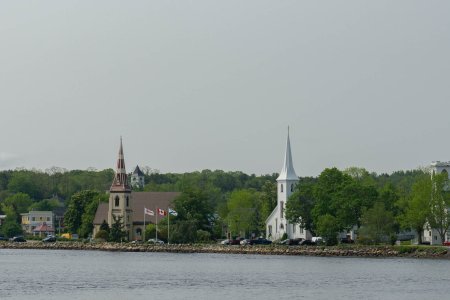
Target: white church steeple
(288, 172)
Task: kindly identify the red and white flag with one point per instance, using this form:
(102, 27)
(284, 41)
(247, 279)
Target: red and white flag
(162, 212)
(149, 212)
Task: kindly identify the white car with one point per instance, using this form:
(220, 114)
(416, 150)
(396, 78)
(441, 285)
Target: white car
(155, 241)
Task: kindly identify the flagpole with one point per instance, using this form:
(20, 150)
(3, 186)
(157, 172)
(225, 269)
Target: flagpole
(143, 237)
(168, 226)
(157, 213)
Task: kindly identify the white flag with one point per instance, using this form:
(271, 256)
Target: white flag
(149, 212)
(172, 212)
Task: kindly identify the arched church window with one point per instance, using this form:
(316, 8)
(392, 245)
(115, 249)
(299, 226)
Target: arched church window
(128, 201)
(444, 171)
(117, 200)
(292, 187)
(281, 187)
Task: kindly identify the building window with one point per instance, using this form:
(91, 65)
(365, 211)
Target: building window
(301, 230)
(281, 209)
(435, 237)
(116, 204)
(292, 187)
(128, 201)
(281, 188)
(138, 231)
(48, 219)
(293, 228)
(429, 232)
(33, 219)
(270, 230)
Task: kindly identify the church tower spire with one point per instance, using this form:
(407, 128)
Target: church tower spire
(288, 172)
(120, 182)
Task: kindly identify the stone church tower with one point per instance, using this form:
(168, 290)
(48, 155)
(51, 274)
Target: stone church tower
(120, 196)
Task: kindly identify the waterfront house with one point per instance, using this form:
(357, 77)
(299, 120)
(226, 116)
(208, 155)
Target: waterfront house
(34, 219)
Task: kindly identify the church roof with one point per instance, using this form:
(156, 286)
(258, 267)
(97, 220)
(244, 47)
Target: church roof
(139, 200)
(288, 172)
(120, 182)
(138, 171)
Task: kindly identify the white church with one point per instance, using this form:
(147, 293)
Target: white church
(276, 223)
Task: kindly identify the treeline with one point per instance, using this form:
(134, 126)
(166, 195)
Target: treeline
(377, 207)
(213, 202)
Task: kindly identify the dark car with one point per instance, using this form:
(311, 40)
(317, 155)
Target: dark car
(236, 241)
(18, 239)
(307, 243)
(260, 241)
(347, 240)
(49, 239)
(2, 238)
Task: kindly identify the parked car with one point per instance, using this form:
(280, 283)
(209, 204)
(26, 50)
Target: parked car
(291, 242)
(225, 242)
(18, 239)
(447, 243)
(2, 238)
(307, 243)
(346, 240)
(260, 241)
(236, 241)
(155, 241)
(49, 239)
(245, 242)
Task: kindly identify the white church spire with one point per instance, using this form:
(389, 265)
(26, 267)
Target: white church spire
(288, 172)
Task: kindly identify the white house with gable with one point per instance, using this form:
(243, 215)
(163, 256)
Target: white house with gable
(276, 223)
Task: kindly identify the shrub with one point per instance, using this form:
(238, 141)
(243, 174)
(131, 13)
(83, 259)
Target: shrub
(102, 234)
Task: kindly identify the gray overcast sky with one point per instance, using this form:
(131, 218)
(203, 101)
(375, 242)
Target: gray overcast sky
(194, 85)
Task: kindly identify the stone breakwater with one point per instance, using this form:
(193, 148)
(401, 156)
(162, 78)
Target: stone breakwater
(352, 251)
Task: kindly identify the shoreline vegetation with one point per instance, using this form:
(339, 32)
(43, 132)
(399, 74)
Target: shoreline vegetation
(411, 251)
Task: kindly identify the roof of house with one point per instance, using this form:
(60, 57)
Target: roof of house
(137, 171)
(44, 228)
(139, 200)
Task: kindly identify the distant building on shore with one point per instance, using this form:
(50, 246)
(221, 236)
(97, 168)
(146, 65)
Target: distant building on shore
(38, 222)
(431, 235)
(276, 224)
(128, 205)
(137, 178)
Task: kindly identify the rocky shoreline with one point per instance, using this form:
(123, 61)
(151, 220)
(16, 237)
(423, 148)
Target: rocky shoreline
(338, 251)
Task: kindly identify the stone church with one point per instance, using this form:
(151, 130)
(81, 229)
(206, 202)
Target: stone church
(129, 205)
(276, 223)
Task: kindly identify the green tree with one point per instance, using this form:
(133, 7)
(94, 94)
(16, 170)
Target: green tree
(243, 217)
(17, 204)
(117, 232)
(328, 227)
(194, 213)
(377, 224)
(81, 210)
(439, 212)
(300, 205)
(268, 198)
(11, 228)
(416, 206)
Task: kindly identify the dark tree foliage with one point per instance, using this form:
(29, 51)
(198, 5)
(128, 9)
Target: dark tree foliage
(117, 232)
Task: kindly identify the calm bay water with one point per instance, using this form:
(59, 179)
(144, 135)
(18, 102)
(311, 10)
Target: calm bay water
(47, 274)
